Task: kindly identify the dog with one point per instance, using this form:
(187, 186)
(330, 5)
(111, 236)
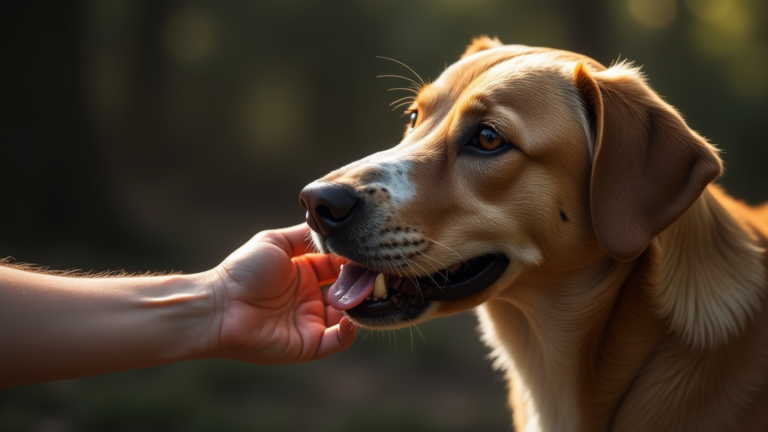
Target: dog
(617, 287)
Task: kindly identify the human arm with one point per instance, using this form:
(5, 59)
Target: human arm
(263, 305)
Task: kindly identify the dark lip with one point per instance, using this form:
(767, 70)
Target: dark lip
(476, 275)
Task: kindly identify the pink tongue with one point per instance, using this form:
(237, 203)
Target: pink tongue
(354, 284)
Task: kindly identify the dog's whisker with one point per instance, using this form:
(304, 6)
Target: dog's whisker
(443, 266)
(388, 266)
(391, 269)
(429, 264)
(311, 242)
(425, 270)
(421, 294)
(417, 329)
(394, 269)
(411, 331)
(404, 89)
(406, 103)
(450, 249)
(397, 269)
(409, 98)
(414, 280)
(406, 66)
(418, 87)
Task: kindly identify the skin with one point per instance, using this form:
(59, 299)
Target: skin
(263, 305)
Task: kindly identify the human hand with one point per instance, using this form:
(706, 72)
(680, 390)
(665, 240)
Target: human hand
(270, 307)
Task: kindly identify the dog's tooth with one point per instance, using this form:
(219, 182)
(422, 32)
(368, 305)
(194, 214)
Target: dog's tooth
(380, 287)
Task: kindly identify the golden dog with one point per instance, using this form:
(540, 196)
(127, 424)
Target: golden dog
(618, 288)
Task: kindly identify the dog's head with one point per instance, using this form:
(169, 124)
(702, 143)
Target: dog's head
(515, 157)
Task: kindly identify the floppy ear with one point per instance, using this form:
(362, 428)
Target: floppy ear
(481, 43)
(648, 166)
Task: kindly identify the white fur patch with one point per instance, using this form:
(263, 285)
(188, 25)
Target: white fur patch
(398, 183)
(393, 174)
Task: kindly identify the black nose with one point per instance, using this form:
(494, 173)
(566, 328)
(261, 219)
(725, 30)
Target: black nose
(330, 207)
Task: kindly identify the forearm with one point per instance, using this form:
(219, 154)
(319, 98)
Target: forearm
(54, 327)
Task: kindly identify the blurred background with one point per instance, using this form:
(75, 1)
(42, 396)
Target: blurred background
(159, 135)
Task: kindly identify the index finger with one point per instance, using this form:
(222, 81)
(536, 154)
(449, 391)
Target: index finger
(295, 240)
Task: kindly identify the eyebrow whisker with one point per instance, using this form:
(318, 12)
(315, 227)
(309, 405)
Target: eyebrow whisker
(418, 86)
(407, 67)
(404, 89)
(406, 103)
(409, 98)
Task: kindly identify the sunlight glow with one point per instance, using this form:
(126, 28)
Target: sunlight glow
(709, 10)
(653, 13)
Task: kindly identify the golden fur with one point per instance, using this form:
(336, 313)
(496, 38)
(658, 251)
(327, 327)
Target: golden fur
(635, 298)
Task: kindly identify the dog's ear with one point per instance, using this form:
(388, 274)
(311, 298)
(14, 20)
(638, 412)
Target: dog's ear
(648, 166)
(481, 43)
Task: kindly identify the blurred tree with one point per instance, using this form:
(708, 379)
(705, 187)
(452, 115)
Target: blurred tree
(56, 196)
(49, 165)
(589, 28)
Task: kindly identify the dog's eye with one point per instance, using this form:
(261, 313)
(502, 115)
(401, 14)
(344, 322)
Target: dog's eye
(488, 139)
(414, 118)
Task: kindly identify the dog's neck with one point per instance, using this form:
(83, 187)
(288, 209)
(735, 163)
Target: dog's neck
(554, 327)
(709, 259)
(576, 340)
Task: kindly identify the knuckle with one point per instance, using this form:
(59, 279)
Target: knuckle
(270, 236)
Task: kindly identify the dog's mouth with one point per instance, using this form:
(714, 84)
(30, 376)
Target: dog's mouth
(371, 297)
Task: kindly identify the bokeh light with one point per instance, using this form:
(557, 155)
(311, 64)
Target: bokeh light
(188, 35)
(749, 72)
(273, 113)
(709, 10)
(653, 13)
